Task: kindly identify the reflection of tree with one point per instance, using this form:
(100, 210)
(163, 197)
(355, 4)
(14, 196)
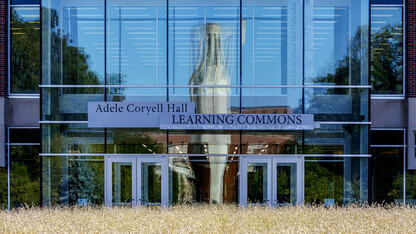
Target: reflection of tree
(81, 181)
(134, 142)
(341, 104)
(323, 183)
(387, 60)
(25, 176)
(67, 55)
(3, 188)
(25, 55)
(255, 184)
(348, 69)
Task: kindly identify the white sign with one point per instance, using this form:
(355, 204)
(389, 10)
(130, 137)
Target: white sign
(132, 114)
(181, 115)
(237, 121)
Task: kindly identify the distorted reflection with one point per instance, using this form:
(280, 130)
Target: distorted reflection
(191, 179)
(208, 100)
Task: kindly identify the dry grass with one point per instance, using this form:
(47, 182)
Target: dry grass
(212, 219)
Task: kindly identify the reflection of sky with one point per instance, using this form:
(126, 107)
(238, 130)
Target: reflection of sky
(330, 39)
(383, 16)
(28, 14)
(85, 28)
(137, 47)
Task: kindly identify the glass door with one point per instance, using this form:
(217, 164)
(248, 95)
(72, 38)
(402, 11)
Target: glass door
(136, 181)
(255, 183)
(271, 181)
(120, 181)
(152, 173)
(287, 180)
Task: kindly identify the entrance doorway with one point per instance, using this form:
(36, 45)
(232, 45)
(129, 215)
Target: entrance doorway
(143, 180)
(271, 181)
(135, 181)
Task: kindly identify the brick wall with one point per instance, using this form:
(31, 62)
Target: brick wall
(3, 48)
(411, 47)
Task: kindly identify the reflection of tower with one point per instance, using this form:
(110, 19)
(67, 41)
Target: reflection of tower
(209, 100)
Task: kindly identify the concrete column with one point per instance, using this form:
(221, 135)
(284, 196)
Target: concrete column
(3, 139)
(411, 130)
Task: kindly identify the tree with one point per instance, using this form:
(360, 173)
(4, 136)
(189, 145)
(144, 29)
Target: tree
(25, 55)
(387, 60)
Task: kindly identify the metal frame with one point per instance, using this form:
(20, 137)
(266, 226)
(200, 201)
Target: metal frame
(272, 163)
(9, 91)
(218, 155)
(108, 181)
(403, 95)
(136, 161)
(209, 86)
(404, 146)
(8, 144)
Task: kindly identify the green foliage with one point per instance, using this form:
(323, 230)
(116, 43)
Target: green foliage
(25, 55)
(322, 183)
(81, 181)
(387, 60)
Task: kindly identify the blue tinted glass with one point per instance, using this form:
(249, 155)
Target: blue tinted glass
(76, 44)
(15, 2)
(386, 1)
(271, 43)
(204, 43)
(137, 42)
(24, 49)
(387, 50)
(335, 49)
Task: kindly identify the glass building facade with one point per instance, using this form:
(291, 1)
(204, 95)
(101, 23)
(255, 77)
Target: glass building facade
(228, 57)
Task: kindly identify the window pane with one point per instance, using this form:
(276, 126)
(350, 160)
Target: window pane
(336, 44)
(271, 142)
(337, 139)
(271, 101)
(387, 137)
(386, 2)
(151, 183)
(73, 42)
(122, 180)
(72, 139)
(68, 104)
(411, 186)
(15, 2)
(137, 141)
(387, 50)
(65, 179)
(337, 104)
(203, 142)
(208, 100)
(25, 49)
(387, 174)
(3, 188)
(286, 183)
(137, 42)
(272, 42)
(25, 176)
(202, 179)
(204, 42)
(24, 135)
(343, 179)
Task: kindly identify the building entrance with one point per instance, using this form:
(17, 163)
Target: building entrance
(142, 180)
(136, 181)
(271, 181)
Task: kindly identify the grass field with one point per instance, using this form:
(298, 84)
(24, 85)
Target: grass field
(212, 219)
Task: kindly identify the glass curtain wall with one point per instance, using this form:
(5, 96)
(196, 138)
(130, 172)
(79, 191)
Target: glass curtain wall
(261, 57)
(20, 180)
